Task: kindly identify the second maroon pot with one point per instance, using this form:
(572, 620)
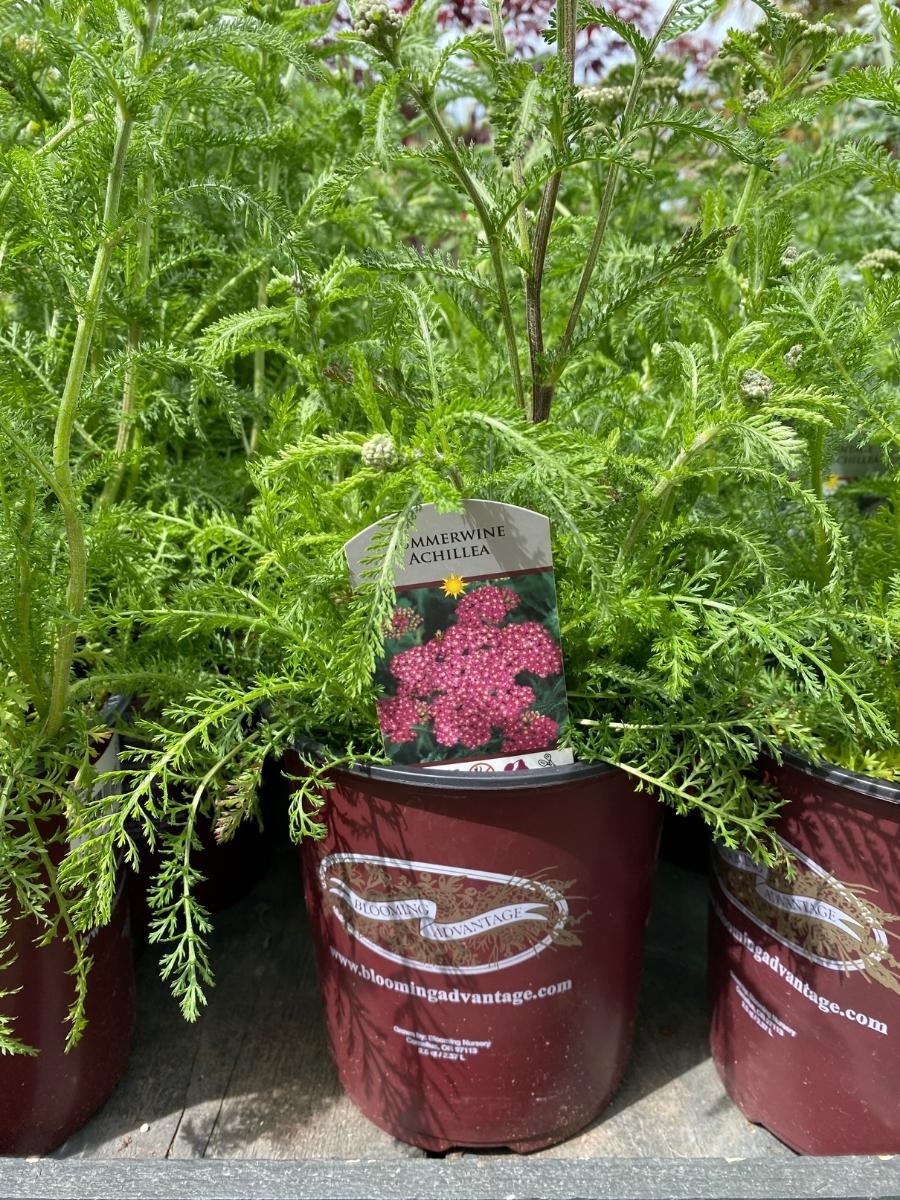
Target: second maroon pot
(479, 945)
(805, 970)
(46, 1097)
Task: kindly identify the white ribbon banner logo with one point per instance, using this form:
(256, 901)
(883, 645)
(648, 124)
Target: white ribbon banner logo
(809, 906)
(425, 912)
(548, 910)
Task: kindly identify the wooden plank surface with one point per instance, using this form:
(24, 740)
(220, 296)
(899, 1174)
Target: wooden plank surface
(509, 1178)
(253, 1078)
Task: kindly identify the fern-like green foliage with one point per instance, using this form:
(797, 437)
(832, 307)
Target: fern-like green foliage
(155, 189)
(645, 308)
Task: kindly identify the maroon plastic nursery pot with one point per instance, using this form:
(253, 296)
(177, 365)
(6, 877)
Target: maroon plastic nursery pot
(44, 1098)
(479, 942)
(805, 971)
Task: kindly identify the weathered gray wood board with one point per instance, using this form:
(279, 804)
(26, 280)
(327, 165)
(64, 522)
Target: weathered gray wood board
(246, 1104)
(253, 1078)
(507, 1178)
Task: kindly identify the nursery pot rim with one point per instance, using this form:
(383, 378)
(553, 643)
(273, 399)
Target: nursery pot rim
(466, 781)
(828, 772)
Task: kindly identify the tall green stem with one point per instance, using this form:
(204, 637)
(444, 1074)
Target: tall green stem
(748, 195)
(426, 103)
(262, 301)
(124, 435)
(606, 202)
(541, 391)
(516, 168)
(69, 502)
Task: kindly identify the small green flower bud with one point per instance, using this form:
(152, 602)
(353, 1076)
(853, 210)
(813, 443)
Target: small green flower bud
(380, 452)
(755, 385)
(754, 100)
(790, 256)
(793, 356)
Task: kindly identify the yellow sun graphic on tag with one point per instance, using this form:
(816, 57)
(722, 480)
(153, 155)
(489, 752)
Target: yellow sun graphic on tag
(454, 585)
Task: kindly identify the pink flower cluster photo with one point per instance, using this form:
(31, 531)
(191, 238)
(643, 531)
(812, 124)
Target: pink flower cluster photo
(472, 684)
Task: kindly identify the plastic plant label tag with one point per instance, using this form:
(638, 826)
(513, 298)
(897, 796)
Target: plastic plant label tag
(853, 463)
(102, 789)
(514, 762)
(471, 672)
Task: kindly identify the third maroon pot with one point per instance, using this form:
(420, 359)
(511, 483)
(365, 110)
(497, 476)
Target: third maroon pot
(804, 971)
(479, 944)
(46, 1096)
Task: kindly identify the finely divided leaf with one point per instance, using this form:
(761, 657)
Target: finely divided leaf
(687, 17)
(591, 14)
(709, 128)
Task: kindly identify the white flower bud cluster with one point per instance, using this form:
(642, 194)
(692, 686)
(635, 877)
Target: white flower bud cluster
(25, 44)
(662, 83)
(380, 452)
(790, 256)
(800, 26)
(755, 385)
(818, 27)
(604, 95)
(793, 356)
(376, 18)
(797, 27)
(880, 262)
(754, 100)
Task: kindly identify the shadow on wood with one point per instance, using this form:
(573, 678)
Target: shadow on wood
(253, 1078)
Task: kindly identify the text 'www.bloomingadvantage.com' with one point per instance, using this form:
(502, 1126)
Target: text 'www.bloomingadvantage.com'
(450, 995)
(774, 963)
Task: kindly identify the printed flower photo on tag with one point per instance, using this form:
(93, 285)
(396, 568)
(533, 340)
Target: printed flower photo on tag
(472, 669)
